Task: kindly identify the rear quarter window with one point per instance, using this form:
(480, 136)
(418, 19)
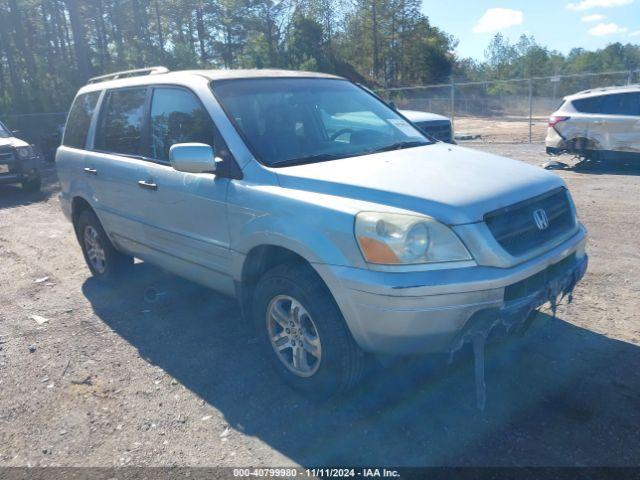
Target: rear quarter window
(79, 120)
(588, 105)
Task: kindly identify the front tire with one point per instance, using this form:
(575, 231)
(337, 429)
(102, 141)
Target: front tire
(105, 262)
(303, 333)
(33, 184)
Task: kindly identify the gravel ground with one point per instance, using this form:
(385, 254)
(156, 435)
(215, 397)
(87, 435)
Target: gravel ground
(502, 129)
(110, 379)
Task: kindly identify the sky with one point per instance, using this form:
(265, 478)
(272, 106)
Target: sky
(558, 24)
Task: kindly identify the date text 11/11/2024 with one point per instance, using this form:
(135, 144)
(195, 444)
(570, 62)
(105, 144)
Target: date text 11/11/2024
(317, 472)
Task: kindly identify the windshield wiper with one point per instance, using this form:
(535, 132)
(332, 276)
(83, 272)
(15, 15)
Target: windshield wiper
(321, 157)
(400, 146)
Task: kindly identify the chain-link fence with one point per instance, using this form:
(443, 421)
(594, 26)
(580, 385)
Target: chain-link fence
(509, 111)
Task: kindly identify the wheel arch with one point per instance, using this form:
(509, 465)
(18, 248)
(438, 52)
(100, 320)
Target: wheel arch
(580, 144)
(260, 259)
(78, 205)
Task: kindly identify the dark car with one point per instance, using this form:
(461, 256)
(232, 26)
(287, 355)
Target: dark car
(436, 126)
(19, 162)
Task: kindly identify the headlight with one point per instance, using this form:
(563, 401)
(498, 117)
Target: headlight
(25, 152)
(395, 239)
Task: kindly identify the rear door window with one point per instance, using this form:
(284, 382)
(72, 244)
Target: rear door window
(79, 120)
(177, 116)
(635, 103)
(121, 123)
(616, 104)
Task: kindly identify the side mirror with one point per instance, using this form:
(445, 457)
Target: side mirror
(192, 158)
(393, 105)
(16, 133)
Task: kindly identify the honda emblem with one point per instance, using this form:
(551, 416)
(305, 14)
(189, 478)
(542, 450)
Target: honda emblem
(541, 219)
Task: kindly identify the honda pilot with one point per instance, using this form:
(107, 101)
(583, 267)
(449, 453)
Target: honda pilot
(341, 229)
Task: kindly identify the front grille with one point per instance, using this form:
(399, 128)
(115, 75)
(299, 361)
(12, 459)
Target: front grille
(440, 129)
(537, 282)
(515, 229)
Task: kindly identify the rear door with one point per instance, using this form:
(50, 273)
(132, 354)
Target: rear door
(622, 121)
(186, 220)
(72, 154)
(116, 164)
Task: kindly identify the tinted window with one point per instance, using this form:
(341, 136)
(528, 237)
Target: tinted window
(289, 120)
(621, 104)
(79, 120)
(613, 104)
(635, 103)
(121, 122)
(588, 105)
(177, 116)
(4, 132)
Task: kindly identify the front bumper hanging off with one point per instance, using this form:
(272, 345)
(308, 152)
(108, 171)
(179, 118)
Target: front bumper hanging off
(550, 285)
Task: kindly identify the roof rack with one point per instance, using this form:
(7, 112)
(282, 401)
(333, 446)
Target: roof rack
(607, 89)
(129, 73)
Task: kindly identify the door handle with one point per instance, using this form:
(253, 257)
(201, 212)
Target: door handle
(91, 171)
(147, 185)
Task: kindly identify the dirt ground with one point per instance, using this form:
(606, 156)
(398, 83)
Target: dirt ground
(111, 379)
(503, 129)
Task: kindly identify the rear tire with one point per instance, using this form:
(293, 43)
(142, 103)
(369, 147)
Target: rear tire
(106, 264)
(331, 362)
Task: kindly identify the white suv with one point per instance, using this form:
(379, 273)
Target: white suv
(599, 124)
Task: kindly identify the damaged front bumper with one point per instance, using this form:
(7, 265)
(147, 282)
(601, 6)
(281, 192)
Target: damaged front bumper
(522, 298)
(550, 285)
(437, 311)
(17, 171)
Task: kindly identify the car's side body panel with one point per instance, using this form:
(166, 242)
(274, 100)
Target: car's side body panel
(185, 221)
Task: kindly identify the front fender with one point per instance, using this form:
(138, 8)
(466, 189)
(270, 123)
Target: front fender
(319, 228)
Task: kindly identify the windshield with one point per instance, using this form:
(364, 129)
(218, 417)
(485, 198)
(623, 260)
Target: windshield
(302, 120)
(4, 131)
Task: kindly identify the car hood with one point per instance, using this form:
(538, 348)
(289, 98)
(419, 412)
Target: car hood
(12, 142)
(453, 184)
(417, 116)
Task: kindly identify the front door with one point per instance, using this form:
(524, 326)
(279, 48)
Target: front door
(186, 226)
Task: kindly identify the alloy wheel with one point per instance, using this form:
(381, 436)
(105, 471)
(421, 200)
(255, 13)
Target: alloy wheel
(293, 336)
(95, 250)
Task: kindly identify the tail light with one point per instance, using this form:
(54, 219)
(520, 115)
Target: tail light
(554, 120)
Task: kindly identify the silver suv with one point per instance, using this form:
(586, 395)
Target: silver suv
(339, 227)
(599, 124)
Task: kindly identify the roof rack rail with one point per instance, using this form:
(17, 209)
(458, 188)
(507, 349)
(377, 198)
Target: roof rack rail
(607, 89)
(129, 73)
